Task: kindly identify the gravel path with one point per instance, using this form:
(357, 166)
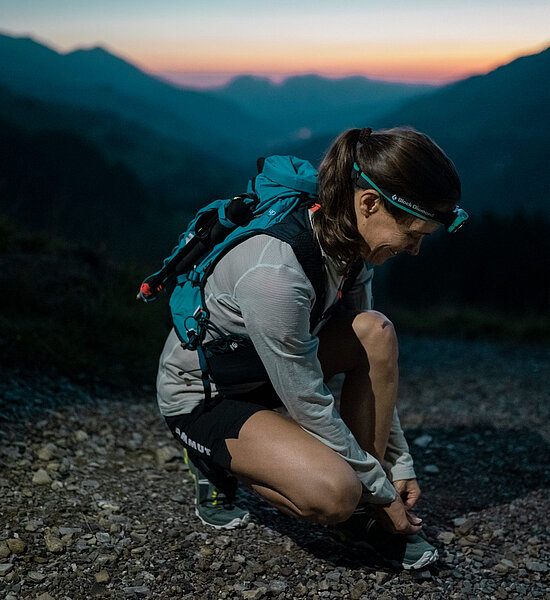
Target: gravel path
(96, 501)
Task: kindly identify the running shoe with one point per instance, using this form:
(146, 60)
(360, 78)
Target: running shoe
(402, 551)
(214, 506)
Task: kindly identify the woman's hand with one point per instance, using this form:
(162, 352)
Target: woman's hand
(395, 518)
(409, 491)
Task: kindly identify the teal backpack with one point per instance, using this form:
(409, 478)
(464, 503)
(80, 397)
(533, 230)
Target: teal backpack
(276, 203)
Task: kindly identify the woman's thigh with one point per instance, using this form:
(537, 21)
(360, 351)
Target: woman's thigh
(292, 469)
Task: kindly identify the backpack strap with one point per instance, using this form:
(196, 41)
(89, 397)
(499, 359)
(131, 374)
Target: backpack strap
(297, 231)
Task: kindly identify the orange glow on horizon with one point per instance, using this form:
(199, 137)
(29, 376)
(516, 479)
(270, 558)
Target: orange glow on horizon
(442, 63)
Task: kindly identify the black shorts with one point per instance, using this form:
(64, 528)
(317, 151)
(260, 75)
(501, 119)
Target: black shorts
(204, 430)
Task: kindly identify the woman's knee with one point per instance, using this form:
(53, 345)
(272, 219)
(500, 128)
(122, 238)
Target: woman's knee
(377, 336)
(330, 497)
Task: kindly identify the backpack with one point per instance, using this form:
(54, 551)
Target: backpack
(277, 203)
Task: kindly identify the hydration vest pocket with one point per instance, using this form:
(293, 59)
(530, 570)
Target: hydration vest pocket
(233, 360)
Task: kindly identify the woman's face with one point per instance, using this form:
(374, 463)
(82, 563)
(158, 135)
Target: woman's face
(384, 236)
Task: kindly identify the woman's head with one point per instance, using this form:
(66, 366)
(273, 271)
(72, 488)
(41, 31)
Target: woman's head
(357, 178)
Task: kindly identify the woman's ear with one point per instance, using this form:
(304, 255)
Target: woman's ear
(368, 202)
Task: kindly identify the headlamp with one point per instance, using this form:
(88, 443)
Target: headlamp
(452, 221)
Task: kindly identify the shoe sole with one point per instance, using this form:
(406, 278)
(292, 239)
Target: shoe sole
(429, 557)
(236, 523)
(426, 559)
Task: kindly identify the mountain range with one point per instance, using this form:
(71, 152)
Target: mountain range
(309, 105)
(495, 127)
(186, 147)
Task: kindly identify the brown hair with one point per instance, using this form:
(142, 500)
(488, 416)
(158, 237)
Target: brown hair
(400, 160)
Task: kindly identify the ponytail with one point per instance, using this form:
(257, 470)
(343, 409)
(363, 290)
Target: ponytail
(336, 224)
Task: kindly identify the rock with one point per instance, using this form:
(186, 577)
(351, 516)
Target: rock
(459, 521)
(102, 577)
(80, 436)
(142, 591)
(423, 441)
(431, 469)
(36, 576)
(16, 545)
(508, 563)
(504, 566)
(465, 527)
(277, 586)
(4, 550)
(300, 590)
(41, 477)
(422, 575)
(69, 530)
(90, 483)
(5, 568)
(536, 566)
(108, 506)
(358, 590)
(44, 596)
(446, 537)
(178, 497)
(34, 525)
(382, 577)
(167, 454)
(47, 452)
(53, 543)
(256, 593)
(103, 537)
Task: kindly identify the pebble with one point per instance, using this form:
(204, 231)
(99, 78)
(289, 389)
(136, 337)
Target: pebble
(142, 591)
(178, 497)
(81, 436)
(446, 537)
(253, 594)
(423, 441)
(16, 545)
(167, 454)
(277, 586)
(102, 577)
(41, 477)
(36, 576)
(465, 527)
(358, 590)
(47, 452)
(4, 550)
(382, 577)
(5, 568)
(422, 575)
(53, 543)
(536, 566)
(44, 596)
(431, 469)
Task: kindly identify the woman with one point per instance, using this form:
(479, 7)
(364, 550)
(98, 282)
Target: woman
(343, 461)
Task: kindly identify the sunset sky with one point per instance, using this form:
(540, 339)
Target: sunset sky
(208, 41)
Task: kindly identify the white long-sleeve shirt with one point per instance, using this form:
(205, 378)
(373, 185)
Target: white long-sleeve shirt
(259, 289)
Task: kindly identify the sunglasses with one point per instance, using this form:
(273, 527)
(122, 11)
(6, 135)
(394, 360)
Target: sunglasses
(452, 221)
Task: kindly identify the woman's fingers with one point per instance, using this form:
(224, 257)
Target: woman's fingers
(413, 519)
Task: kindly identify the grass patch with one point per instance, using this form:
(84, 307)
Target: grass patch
(72, 309)
(473, 323)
